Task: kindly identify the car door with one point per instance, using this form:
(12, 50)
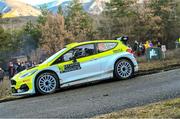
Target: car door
(105, 52)
(84, 68)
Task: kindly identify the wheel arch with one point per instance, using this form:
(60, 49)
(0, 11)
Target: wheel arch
(121, 58)
(44, 71)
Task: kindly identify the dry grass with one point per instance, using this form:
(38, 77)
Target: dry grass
(5, 88)
(158, 64)
(172, 58)
(167, 109)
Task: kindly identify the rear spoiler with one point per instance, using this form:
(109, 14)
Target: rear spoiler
(123, 39)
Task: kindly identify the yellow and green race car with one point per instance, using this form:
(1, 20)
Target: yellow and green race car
(77, 63)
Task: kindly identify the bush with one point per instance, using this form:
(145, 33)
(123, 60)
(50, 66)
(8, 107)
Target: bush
(173, 54)
(5, 88)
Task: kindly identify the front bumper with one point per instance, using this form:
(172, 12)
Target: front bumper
(22, 87)
(30, 92)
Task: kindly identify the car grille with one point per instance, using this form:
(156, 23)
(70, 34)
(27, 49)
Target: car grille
(13, 82)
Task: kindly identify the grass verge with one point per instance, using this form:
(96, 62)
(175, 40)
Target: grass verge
(166, 109)
(5, 88)
(5, 91)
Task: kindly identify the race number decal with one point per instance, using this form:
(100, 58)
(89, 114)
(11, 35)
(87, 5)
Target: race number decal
(71, 67)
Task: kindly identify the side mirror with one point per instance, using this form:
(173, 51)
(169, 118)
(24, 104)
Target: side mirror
(74, 59)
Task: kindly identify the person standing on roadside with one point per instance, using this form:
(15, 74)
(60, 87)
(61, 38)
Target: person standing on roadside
(11, 69)
(159, 44)
(23, 66)
(177, 42)
(19, 68)
(151, 44)
(147, 44)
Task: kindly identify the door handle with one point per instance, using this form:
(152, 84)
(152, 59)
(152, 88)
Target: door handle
(93, 59)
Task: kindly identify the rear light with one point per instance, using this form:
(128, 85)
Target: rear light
(130, 51)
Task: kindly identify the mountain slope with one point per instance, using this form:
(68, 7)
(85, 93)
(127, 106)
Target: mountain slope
(97, 6)
(19, 8)
(16, 8)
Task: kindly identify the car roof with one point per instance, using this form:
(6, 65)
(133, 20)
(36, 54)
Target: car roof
(88, 42)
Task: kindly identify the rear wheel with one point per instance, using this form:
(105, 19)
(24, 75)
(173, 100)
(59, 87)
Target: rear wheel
(47, 83)
(123, 69)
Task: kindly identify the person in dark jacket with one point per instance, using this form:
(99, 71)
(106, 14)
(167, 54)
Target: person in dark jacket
(11, 69)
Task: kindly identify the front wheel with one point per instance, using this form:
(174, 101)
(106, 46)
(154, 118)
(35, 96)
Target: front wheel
(47, 83)
(123, 69)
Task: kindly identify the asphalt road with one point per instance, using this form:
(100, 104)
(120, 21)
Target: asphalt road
(100, 98)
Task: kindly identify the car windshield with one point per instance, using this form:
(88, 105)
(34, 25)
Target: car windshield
(53, 56)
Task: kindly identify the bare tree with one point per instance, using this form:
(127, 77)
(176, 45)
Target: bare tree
(54, 35)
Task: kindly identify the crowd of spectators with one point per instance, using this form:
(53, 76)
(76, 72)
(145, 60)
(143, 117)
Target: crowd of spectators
(139, 48)
(16, 67)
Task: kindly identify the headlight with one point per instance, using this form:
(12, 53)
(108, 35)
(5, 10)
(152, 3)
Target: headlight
(28, 74)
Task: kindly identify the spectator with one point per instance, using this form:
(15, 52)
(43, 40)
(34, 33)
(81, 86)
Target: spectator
(151, 44)
(147, 45)
(135, 46)
(19, 68)
(29, 64)
(11, 69)
(34, 63)
(142, 49)
(159, 44)
(1, 74)
(177, 42)
(23, 67)
(26, 65)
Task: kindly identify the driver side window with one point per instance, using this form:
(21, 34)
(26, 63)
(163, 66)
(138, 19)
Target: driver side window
(79, 52)
(68, 56)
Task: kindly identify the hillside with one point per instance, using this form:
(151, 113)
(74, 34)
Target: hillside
(16, 8)
(19, 8)
(16, 13)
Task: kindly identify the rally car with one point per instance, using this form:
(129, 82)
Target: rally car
(77, 63)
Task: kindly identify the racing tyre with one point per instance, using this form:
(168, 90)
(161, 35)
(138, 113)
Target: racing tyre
(47, 83)
(123, 69)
